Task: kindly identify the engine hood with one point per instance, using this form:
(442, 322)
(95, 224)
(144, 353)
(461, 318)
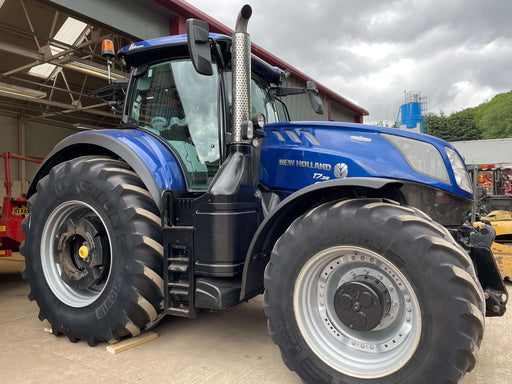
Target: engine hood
(295, 155)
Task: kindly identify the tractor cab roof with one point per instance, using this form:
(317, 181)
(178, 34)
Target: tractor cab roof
(162, 48)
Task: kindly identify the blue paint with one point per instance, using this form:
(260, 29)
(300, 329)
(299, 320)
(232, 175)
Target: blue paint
(166, 40)
(361, 147)
(159, 159)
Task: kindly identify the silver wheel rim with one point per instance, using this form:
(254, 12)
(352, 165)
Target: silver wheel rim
(363, 354)
(52, 270)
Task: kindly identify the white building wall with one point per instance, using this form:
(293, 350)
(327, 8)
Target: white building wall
(485, 151)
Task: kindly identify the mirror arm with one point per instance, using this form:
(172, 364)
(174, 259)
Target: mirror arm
(218, 54)
(284, 91)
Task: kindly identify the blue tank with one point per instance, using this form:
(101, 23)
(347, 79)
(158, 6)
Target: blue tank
(411, 115)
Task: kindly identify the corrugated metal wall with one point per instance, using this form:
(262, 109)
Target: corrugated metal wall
(339, 113)
(485, 151)
(300, 109)
(39, 140)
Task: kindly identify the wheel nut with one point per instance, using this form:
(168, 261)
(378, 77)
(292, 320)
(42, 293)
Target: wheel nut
(83, 252)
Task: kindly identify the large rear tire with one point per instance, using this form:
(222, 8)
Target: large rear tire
(363, 290)
(93, 250)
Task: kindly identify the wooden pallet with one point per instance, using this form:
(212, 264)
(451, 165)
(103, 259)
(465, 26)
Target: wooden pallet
(124, 345)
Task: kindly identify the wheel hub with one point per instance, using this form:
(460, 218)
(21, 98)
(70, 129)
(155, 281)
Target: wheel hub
(82, 252)
(362, 303)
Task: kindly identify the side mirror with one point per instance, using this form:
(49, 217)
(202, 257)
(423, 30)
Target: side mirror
(314, 98)
(199, 46)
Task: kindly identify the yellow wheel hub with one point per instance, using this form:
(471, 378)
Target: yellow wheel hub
(83, 252)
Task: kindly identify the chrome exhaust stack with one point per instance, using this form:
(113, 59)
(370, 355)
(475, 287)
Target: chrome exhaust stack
(237, 178)
(241, 62)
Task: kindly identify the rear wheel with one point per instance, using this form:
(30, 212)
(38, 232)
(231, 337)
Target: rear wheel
(93, 249)
(364, 289)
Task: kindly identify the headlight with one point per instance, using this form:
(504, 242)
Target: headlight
(459, 170)
(423, 157)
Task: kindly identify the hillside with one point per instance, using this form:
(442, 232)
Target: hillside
(490, 120)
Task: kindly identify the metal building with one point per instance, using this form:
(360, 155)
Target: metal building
(492, 151)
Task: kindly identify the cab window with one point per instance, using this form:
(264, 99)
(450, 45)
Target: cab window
(171, 100)
(260, 101)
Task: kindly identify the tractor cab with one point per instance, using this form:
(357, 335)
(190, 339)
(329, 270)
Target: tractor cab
(162, 100)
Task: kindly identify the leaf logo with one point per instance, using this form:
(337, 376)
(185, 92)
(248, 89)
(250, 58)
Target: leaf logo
(341, 170)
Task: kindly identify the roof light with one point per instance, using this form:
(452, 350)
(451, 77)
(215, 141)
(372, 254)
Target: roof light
(92, 68)
(45, 70)
(85, 127)
(107, 49)
(71, 31)
(10, 89)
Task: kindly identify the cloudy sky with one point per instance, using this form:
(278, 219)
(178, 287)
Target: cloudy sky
(457, 53)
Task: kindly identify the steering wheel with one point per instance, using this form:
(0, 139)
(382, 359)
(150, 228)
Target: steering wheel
(159, 122)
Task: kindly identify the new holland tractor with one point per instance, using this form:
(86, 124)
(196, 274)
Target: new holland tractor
(209, 196)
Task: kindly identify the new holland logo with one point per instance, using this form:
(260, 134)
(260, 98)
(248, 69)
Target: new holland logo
(340, 170)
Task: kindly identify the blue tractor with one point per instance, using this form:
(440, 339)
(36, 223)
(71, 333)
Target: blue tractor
(209, 196)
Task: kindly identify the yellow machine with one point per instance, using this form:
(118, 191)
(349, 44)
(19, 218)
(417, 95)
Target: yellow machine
(501, 221)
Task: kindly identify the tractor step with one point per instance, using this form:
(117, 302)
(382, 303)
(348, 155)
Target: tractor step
(179, 279)
(182, 312)
(179, 264)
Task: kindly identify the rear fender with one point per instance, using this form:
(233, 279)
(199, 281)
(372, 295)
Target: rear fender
(151, 159)
(297, 204)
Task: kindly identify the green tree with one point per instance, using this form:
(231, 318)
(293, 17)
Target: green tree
(490, 120)
(463, 126)
(495, 117)
(456, 127)
(437, 125)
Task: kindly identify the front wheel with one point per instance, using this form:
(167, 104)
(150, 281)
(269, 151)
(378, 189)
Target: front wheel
(364, 290)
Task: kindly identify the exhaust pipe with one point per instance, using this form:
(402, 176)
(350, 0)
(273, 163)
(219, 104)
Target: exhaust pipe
(237, 177)
(241, 73)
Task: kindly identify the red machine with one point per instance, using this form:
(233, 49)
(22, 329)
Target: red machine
(14, 210)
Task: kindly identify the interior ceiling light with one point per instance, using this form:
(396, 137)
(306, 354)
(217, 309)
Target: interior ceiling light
(93, 69)
(8, 89)
(85, 127)
(71, 32)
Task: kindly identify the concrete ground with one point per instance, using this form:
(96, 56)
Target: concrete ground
(225, 347)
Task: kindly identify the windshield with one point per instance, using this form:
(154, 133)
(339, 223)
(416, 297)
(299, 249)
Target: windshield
(174, 102)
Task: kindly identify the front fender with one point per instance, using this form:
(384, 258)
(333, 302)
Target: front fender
(294, 206)
(151, 159)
